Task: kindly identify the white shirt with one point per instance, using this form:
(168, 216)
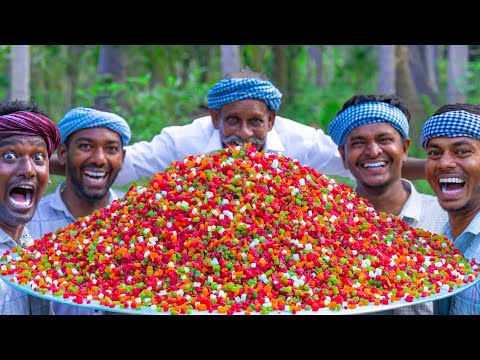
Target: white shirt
(310, 146)
(421, 211)
(50, 215)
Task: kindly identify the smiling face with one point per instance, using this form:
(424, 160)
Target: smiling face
(244, 121)
(24, 178)
(453, 172)
(93, 159)
(374, 154)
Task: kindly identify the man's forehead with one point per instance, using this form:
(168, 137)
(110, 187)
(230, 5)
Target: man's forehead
(16, 140)
(446, 141)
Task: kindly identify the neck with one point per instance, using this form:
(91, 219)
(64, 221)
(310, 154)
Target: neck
(15, 232)
(460, 221)
(78, 205)
(388, 199)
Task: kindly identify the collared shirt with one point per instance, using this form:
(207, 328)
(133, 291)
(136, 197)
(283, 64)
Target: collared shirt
(13, 301)
(300, 142)
(51, 214)
(421, 211)
(466, 302)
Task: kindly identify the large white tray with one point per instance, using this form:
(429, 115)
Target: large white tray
(368, 309)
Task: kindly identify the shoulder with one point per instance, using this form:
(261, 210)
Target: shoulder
(289, 127)
(200, 126)
(44, 208)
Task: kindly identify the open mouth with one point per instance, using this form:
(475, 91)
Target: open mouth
(21, 196)
(451, 185)
(375, 165)
(95, 177)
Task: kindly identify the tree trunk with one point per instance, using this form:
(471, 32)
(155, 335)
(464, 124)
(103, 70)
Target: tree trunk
(20, 72)
(315, 54)
(111, 69)
(457, 72)
(230, 59)
(407, 92)
(432, 53)
(279, 73)
(419, 72)
(386, 66)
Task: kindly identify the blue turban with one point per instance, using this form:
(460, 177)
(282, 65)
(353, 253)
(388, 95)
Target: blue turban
(227, 91)
(81, 118)
(367, 113)
(451, 124)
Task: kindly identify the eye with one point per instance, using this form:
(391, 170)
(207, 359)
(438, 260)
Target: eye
(112, 149)
(256, 122)
(84, 146)
(357, 143)
(10, 155)
(433, 154)
(38, 157)
(231, 121)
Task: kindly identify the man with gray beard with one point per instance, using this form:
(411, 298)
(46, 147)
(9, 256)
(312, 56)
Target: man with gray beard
(243, 108)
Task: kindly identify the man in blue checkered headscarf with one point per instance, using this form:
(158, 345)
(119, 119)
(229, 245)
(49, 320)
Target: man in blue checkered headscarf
(451, 139)
(243, 109)
(92, 150)
(371, 132)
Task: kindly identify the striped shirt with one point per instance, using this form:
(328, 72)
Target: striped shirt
(420, 211)
(13, 301)
(466, 302)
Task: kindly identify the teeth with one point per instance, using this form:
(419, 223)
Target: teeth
(377, 164)
(451, 181)
(28, 187)
(95, 173)
(445, 191)
(24, 204)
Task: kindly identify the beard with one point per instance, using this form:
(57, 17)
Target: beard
(236, 140)
(82, 191)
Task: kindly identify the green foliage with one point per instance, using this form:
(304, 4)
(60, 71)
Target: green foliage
(149, 110)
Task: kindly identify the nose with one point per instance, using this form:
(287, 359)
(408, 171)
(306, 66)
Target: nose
(446, 161)
(373, 149)
(26, 167)
(99, 157)
(244, 131)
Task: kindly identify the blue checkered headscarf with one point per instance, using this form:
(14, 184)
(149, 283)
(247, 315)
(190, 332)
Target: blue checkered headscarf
(451, 124)
(227, 91)
(366, 113)
(81, 118)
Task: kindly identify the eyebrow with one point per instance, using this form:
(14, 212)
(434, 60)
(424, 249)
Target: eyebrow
(386, 133)
(89, 139)
(11, 141)
(456, 143)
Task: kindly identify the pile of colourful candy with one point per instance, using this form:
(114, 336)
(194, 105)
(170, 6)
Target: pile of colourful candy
(240, 231)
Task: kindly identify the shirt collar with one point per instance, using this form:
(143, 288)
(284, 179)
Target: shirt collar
(410, 208)
(59, 205)
(25, 238)
(473, 228)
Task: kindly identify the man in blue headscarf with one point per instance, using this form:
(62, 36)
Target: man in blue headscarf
(92, 150)
(451, 139)
(242, 109)
(371, 132)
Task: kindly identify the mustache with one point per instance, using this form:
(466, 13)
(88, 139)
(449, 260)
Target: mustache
(234, 139)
